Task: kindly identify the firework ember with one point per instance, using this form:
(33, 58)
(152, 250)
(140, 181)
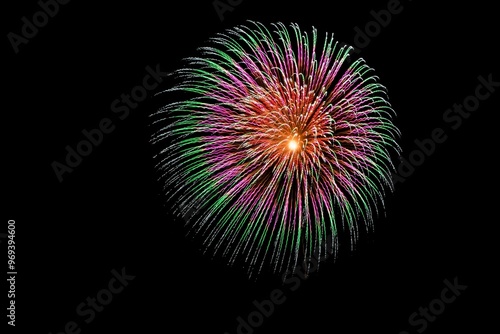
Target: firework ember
(279, 144)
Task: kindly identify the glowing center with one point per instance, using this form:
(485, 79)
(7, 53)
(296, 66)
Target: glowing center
(292, 144)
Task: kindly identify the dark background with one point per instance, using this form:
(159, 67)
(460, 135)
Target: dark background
(108, 214)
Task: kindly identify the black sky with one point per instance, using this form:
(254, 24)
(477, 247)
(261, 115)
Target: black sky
(106, 214)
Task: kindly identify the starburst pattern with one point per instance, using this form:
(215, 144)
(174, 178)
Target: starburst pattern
(279, 143)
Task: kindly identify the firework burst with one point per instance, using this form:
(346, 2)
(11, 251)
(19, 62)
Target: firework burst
(279, 144)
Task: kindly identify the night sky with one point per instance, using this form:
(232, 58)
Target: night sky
(100, 226)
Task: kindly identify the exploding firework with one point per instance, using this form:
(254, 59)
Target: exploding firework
(276, 145)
